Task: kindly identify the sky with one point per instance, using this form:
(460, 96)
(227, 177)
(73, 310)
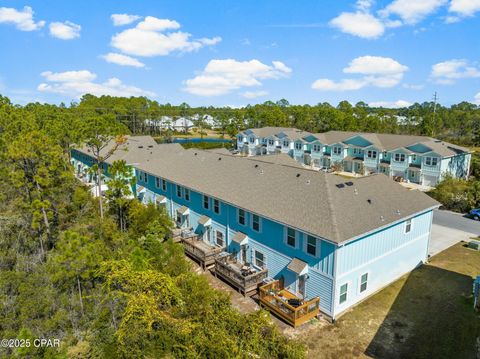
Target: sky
(231, 53)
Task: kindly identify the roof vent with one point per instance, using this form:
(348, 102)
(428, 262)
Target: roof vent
(256, 166)
(349, 183)
(140, 146)
(219, 158)
(150, 146)
(340, 185)
(195, 153)
(308, 181)
(398, 212)
(298, 175)
(355, 191)
(370, 201)
(382, 218)
(261, 172)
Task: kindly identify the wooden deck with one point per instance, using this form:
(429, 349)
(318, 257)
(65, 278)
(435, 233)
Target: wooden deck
(201, 251)
(276, 300)
(245, 278)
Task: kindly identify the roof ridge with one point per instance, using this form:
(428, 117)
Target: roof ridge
(330, 207)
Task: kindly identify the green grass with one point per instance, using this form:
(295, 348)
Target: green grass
(425, 314)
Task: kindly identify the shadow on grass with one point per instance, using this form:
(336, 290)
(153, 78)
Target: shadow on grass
(432, 317)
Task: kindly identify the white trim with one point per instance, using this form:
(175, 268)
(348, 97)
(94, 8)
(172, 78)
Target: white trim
(254, 259)
(359, 286)
(317, 246)
(348, 283)
(285, 237)
(219, 206)
(259, 223)
(245, 216)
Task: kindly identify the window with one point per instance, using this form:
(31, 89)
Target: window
(298, 146)
(363, 282)
(291, 240)
(271, 142)
(206, 202)
(164, 185)
(414, 158)
(252, 139)
(241, 216)
(255, 223)
(357, 151)
(431, 161)
(286, 143)
(311, 245)
(186, 191)
(157, 182)
(216, 206)
(408, 225)
(399, 157)
(179, 191)
(337, 150)
(240, 138)
(372, 154)
(317, 148)
(219, 238)
(145, 177)
(259, 259)
(343, 293)
(140, 175)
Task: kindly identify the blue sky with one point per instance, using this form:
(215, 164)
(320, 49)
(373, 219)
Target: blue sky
(237, 52)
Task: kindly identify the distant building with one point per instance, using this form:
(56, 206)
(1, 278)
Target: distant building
(417, 159)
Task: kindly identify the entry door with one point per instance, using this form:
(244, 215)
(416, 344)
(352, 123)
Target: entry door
(206, 235)
(243, 253)
(301, 285)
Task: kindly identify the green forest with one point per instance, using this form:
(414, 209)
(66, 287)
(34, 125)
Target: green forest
(105, 278)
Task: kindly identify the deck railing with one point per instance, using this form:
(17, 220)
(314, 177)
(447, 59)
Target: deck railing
(200, 250)
(244, 279)
(276, 299)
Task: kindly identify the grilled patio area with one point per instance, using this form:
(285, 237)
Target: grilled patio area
(244, 278)
(286, 305)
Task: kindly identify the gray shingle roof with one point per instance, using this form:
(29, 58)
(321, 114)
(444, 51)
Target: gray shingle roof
(306, 200)
(297, 266)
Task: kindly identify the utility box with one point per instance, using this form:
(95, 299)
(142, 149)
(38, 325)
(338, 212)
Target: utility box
(474, 244)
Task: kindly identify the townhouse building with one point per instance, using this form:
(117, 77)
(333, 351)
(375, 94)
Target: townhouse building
(322, 239)
(417, 159)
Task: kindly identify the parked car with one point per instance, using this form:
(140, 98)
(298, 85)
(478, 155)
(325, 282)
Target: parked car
(475, 214)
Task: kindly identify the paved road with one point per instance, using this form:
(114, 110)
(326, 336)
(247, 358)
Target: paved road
(456, 221)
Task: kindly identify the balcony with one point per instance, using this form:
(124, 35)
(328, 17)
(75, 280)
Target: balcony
(179, 234)
(243, 277)
(201, 251)
(286, 305)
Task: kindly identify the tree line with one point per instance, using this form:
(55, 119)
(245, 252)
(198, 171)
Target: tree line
(103, 277)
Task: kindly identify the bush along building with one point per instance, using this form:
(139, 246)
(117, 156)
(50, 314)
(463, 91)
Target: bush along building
(310, 240)
(417, 159)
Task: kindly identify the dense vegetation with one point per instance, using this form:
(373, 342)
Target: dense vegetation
(106, 280)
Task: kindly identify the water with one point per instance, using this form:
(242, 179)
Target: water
(199, 140)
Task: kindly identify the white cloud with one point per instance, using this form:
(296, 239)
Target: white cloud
(359, 24)
(122, 60)
(413, 87)
(150, 38)
(477, 98)
(377, 71)
(390, 104)
(224, 76)
(254, 94)
(464, 7)
(412, 11)
(22, 19)
(64, 30)
(448, 72)
(77, 83)
(123, 19)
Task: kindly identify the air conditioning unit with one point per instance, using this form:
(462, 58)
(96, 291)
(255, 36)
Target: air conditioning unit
(474, 244)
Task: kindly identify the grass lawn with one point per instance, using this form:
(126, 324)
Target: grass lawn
(425, 314)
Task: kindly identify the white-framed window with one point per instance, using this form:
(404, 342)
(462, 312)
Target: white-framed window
(298, 146)
(259, 259)
(408, 225)
(219, 238)
(252, 139)
(271, 142)
(317, 148)
(240, 138)
(140, 175)
(286, 143)
(363, 282)
(179, 191)
(157, 182)
(343, 293)
(186, 192)
(431, 161)
(256, 226)
(206, 202)
(337, 150)
(290, 237)
(145, 177)
(414, 158)
(399, 157)
(372, 154)
(241, 216)
(216, 206)
(311, 245)
(357, 151)
(164, 185)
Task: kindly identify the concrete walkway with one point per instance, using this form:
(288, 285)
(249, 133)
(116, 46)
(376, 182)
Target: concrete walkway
(445, 237)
